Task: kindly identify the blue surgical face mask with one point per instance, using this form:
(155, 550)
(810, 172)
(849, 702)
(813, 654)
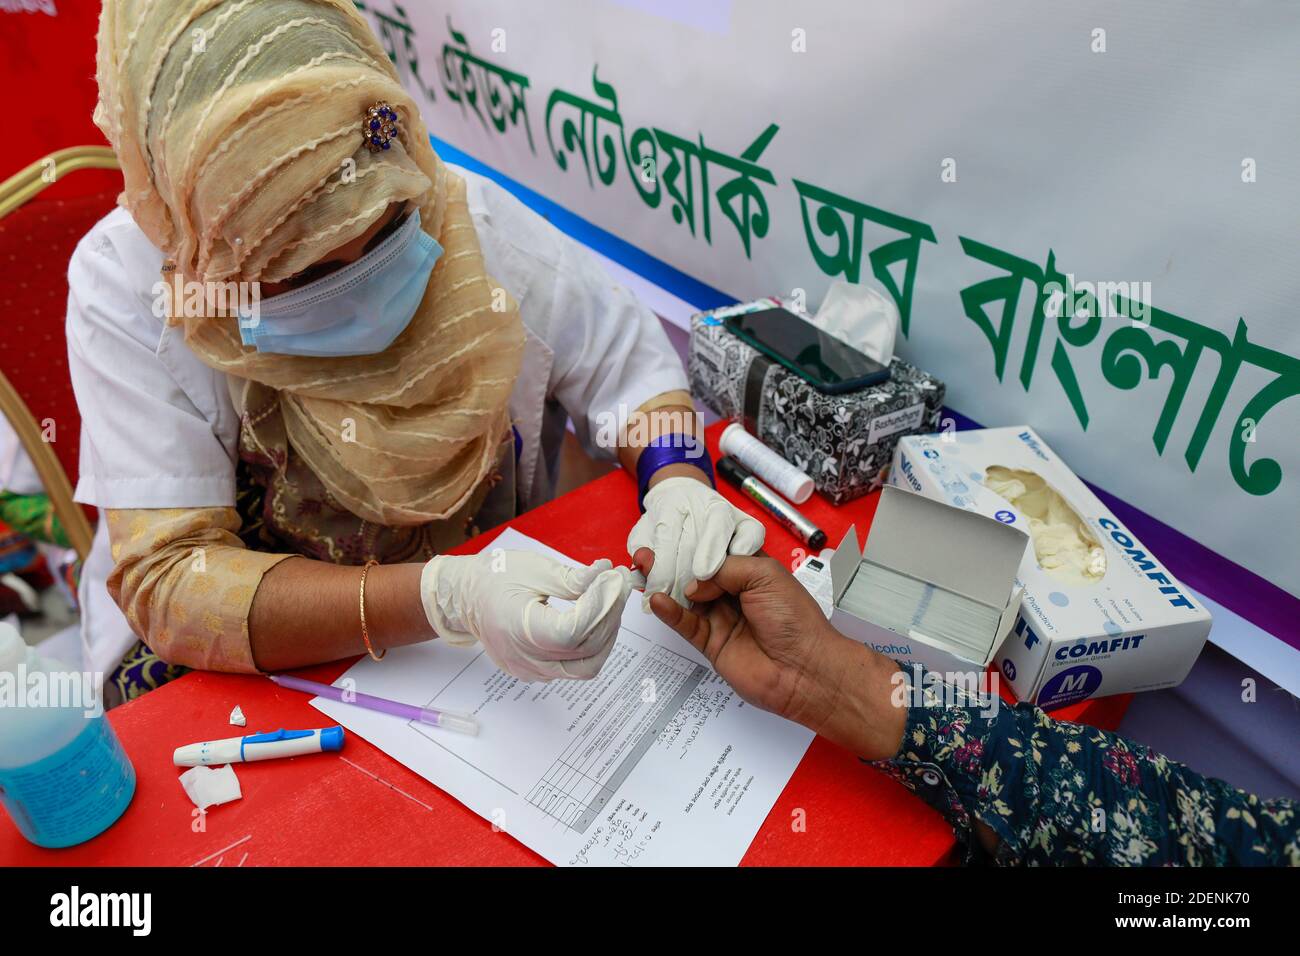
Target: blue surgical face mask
(358, 310)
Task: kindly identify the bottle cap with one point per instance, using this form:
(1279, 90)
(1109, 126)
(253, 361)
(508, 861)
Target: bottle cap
(802, 491)
(724, 440)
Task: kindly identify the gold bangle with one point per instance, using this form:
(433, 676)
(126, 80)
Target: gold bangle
(365, 634)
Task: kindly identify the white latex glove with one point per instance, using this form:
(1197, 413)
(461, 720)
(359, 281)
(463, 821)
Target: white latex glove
(500, 598)
(691, 529)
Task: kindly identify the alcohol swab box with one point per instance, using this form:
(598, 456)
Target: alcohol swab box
(1100, 614)
(935, 584)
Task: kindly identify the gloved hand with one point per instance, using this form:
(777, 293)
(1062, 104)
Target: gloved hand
(691, 529)
(500, 598)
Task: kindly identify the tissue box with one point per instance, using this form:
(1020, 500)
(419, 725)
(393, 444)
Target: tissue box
(945, 548)
(1131, 627)
(845, 443)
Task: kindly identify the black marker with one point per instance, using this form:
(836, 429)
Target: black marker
(786, 514)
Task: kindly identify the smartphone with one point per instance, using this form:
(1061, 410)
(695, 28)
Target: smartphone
(817, 357)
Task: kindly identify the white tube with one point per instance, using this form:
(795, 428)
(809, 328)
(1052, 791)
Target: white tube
(767, 464)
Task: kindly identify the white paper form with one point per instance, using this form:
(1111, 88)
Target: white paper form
(656, 761)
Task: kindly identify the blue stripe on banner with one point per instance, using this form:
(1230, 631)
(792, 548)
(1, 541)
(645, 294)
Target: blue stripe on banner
(686, 288)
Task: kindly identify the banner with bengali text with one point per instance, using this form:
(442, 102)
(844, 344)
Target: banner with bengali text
(1088, 215)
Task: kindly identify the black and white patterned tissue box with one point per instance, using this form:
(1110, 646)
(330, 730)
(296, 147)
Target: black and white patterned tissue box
(845, 443)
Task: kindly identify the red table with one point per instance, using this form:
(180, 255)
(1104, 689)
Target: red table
(361, 807)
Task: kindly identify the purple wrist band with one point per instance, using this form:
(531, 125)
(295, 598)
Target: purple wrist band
(674, 449)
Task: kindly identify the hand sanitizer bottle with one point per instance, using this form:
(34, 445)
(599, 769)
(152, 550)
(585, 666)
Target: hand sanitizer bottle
(64, 776)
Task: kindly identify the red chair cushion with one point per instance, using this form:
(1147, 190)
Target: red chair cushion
(36, 242)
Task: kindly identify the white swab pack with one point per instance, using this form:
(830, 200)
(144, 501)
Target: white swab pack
(935, 584)
(921, 610)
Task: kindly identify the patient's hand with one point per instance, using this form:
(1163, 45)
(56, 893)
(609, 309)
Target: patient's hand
(764, 633)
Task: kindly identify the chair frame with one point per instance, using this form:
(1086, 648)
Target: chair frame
(14, 192)
(29, 181)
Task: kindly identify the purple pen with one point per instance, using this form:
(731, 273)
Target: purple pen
(449, 719)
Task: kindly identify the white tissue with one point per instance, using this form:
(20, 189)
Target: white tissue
(861, 316)
(209, 786)
(237, 717)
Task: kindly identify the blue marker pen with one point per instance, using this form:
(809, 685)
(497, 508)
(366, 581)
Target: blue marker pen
(278, 743)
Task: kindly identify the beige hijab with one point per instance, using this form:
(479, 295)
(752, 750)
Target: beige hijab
(238, 124)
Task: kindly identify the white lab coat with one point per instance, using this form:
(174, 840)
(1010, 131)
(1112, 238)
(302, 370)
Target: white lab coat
(159, 430)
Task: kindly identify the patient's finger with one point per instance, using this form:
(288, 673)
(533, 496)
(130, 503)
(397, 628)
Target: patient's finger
(686, 623)
(704, 591)
(739, 574)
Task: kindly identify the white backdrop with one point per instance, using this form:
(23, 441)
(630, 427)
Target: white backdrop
(1006, 150)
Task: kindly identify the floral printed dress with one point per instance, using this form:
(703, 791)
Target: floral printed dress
(1060, 793)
